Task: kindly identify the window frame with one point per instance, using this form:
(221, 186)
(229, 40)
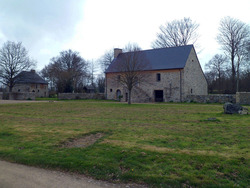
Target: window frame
(158, 77)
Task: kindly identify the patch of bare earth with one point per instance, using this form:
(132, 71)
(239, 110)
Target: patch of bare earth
(83, 142)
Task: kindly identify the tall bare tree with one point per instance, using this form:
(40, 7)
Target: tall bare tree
(92, 71)
(13, 60)
(106, 59)
(217, 66)
(130, 67)
(177, 33)
(233, 37)
(66, 71)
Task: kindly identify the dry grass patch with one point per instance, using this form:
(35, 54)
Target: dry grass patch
(168, 150)
(83, 142)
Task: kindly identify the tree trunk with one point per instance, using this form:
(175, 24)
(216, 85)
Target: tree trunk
(11, 85)
(238, 75)
(233, 73)
(220, 83)
(129, 96)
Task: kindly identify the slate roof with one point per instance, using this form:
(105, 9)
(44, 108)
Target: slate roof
(160, 59)
(29, 77)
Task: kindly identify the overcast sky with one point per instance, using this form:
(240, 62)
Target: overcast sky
(91, 27)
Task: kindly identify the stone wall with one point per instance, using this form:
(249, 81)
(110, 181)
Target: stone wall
(40, 90)
(194, 82)
(145, 91)
(218, 98)
(19, 96)
(71, 96)
(243, 97)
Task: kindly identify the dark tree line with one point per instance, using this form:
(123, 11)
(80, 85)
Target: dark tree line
(66, 72)
(69, 73)
(229, 73)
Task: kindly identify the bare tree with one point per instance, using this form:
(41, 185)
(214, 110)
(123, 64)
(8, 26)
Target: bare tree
(92, 71)
(101, 84)
(13, 60)
(130, 67)
(176, 33)
(233, 36)
(217, 66)
(106, 59)
(66, 71)
(49, 74)
(248, 51)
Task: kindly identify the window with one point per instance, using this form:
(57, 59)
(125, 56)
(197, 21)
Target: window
(191, 90)
(111, 90)
(158, 77)
(119, 78)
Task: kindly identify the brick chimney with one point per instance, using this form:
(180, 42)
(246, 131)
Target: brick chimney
(117, 51)
(32, 70)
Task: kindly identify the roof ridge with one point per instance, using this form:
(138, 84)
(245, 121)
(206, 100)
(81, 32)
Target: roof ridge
(188, 45)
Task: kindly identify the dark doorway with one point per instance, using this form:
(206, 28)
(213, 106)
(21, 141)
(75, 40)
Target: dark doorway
(118, 94)
(126, 97)
(158, 95)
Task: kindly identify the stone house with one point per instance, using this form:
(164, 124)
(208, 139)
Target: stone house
(30, 81)
(173, 74)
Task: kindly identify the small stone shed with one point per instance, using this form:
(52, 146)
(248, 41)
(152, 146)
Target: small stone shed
(30, 81)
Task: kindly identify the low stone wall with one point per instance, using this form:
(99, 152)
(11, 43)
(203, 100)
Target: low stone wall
(19, 96)
(243, 97)
(218, 98)
(71, 96)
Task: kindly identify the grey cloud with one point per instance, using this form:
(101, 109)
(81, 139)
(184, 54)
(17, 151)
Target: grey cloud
(55, 17)
(37, 23)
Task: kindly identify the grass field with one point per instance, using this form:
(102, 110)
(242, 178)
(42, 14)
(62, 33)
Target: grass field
(161, 145)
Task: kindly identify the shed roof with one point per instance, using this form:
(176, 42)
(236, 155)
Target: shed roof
(160, 59)
(30, 77)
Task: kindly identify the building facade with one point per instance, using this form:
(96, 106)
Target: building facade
(30, 81)
(174, 74)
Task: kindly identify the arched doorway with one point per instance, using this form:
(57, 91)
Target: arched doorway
(118, 94)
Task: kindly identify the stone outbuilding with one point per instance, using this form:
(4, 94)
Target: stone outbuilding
(173, 74)
(30, 81)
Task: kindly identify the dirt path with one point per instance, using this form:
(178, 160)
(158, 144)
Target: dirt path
(19, 176)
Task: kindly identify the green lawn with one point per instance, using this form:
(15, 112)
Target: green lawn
(162, 145)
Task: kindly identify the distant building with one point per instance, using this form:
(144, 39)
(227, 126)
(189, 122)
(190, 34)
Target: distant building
(30, 81)
(173, 74)
(89, 89)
